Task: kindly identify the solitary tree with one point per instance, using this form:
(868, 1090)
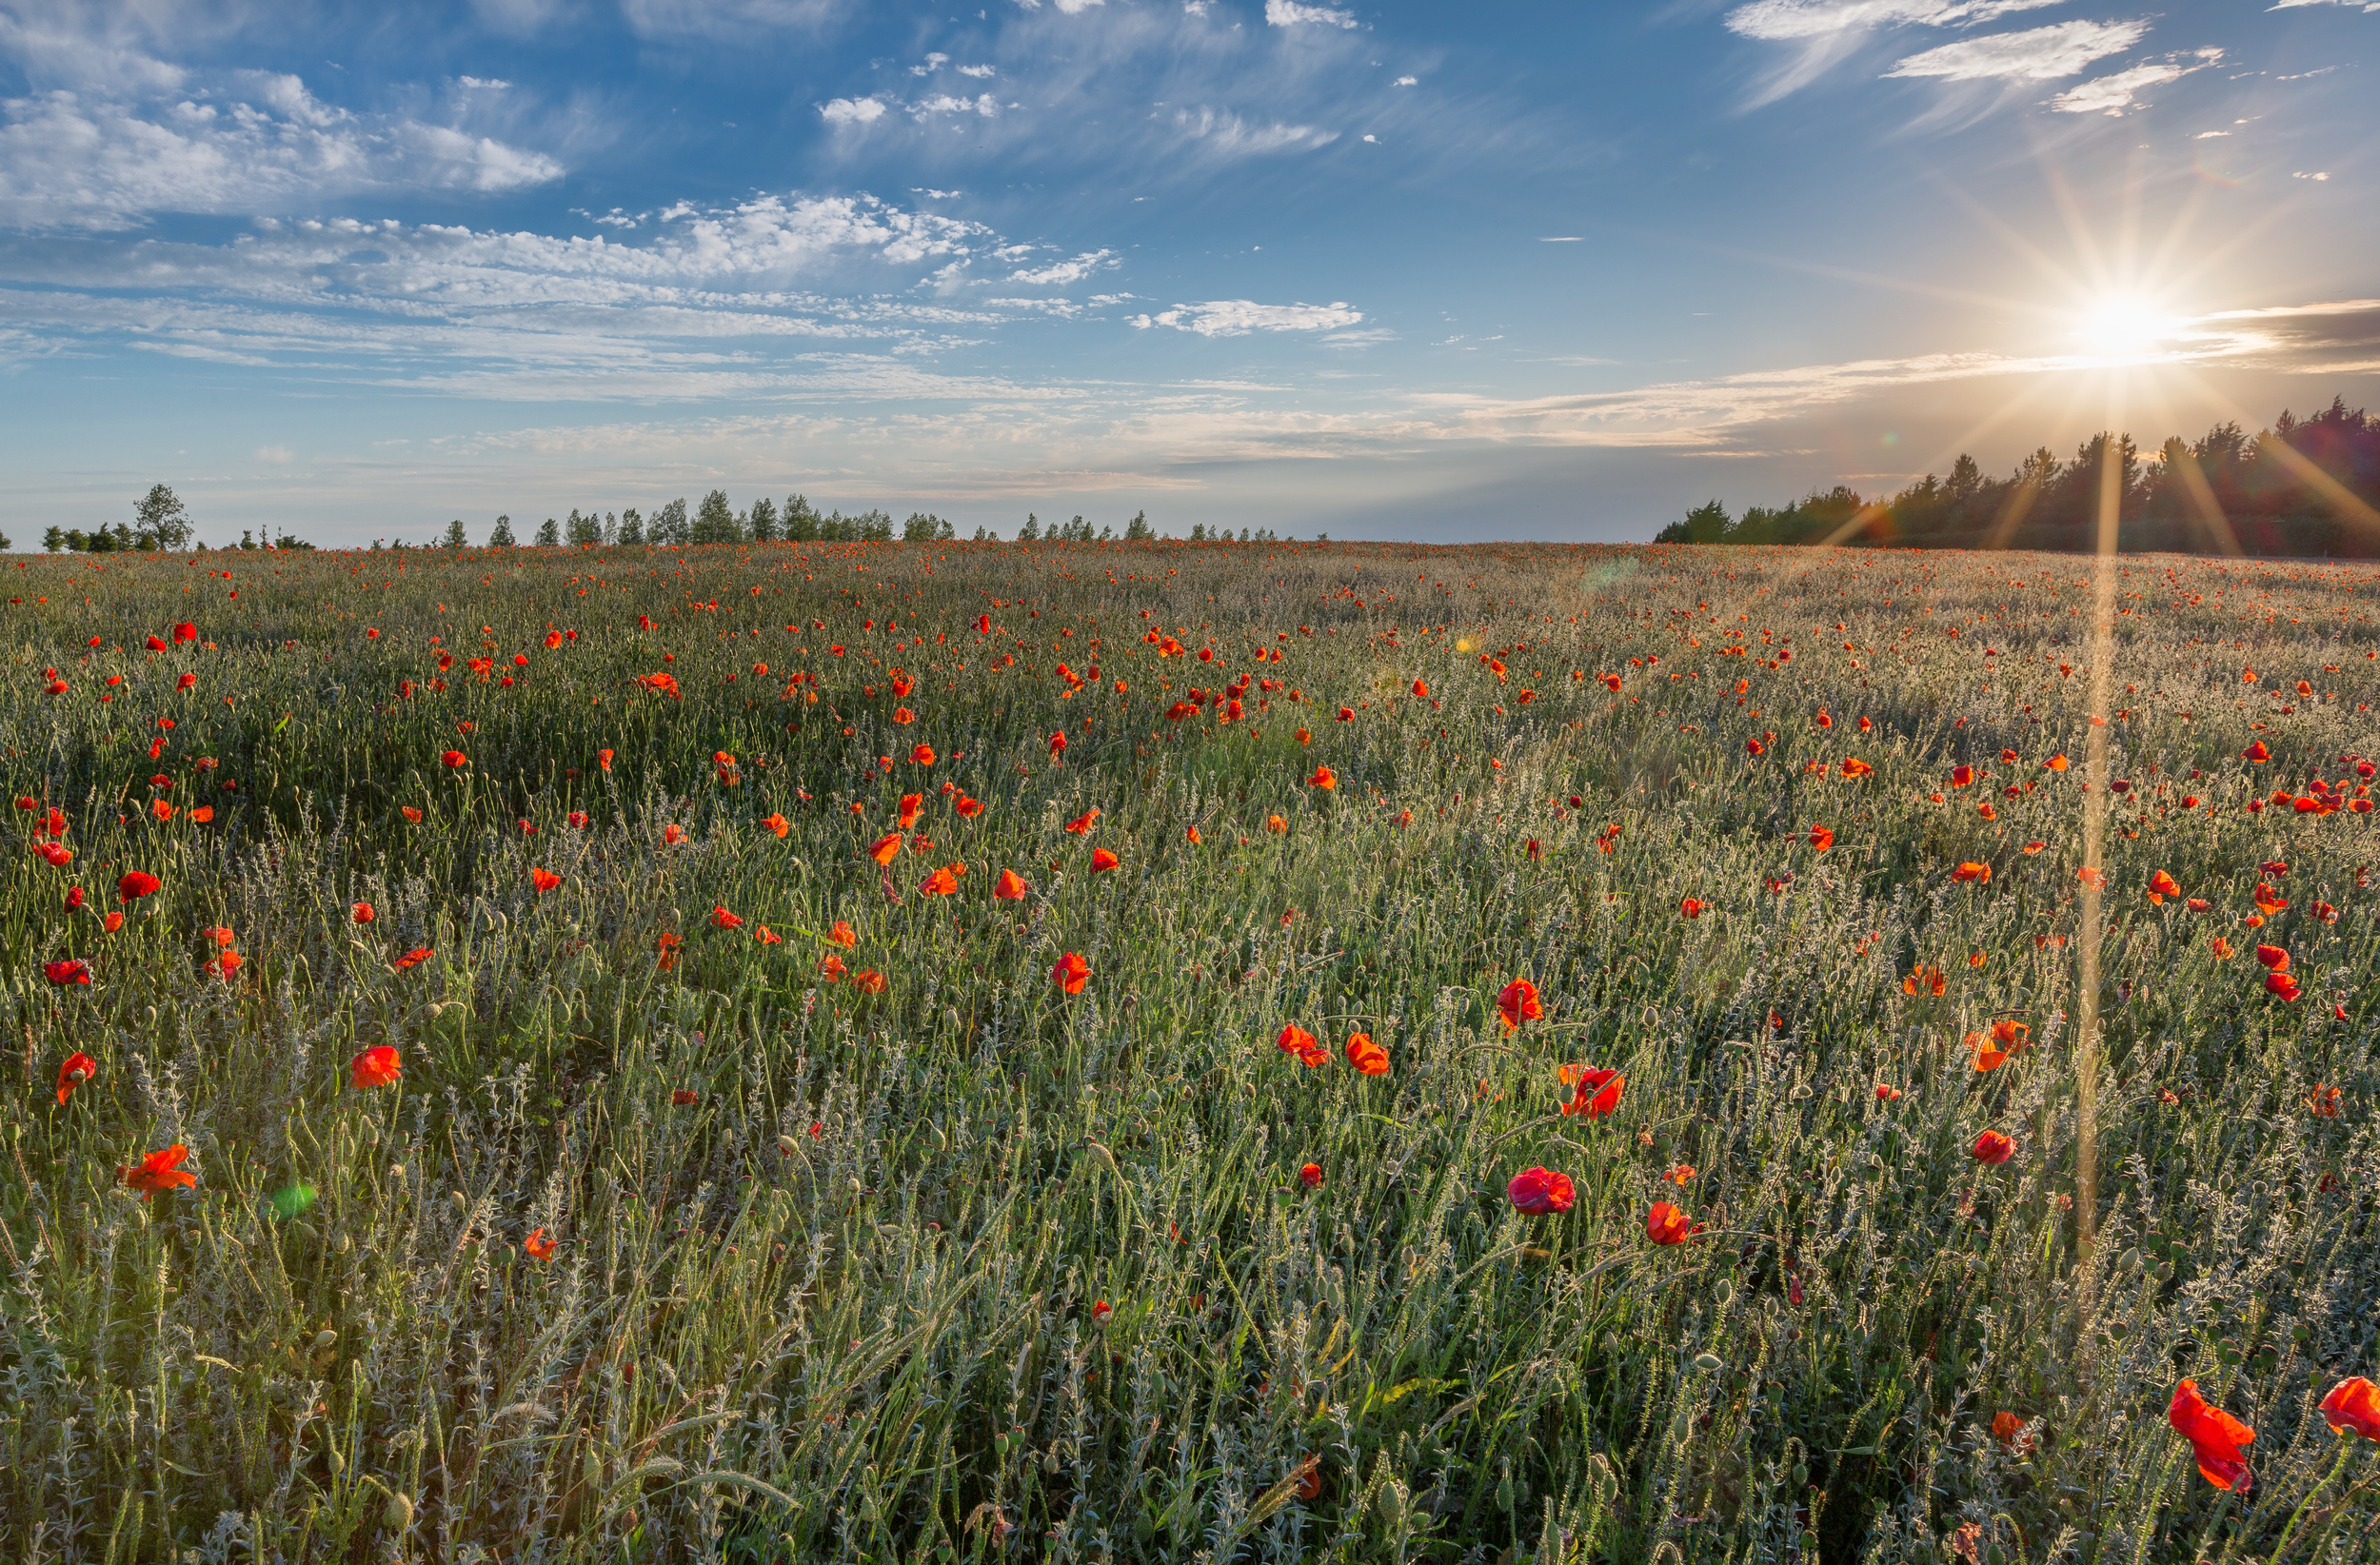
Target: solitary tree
(162, 521)
(1137, 530)
(455, 536)
(500, 536)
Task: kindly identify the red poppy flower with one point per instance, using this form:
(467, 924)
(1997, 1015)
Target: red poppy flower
(868, 982)
(1056, 744)
(1518, 1003)
(968, 807)
(722, 919)
(1992, 1147)
(412, 816)
(1071, 973)
(1961, 776)
(544, 879)
(2162, 885)
(186, 632)
(1010, 888)
(538, 1245)
(2008, 1429)
(2215, 1437)
(58, 856)
(79, 1068)
(1311, 1175)
(1693, 907)
(1323, 778)
(374, 1067)
(1102, 859)
(1820, 838)
(1366, 1056)
(1666, 1224)
(157, 1171)
(832, 966)
(1597, 1091)
(940, 883)
(135, 885)
(414, 958)
(2275, 958)
(1539, 1190)
(1294, 1040)
(454, 760)
(67, 972)
(921, 755)
(886, 848)
(2258, 753)
(362, 913)
(766, 936)
(777, 823)
(1081, 825)
(2353, 1407)
(1972, 873)
(842, 935)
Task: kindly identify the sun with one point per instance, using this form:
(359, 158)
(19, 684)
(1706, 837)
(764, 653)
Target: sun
(2124, 325)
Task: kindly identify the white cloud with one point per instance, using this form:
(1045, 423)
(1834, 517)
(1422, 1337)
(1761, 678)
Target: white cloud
(942, 103)
(1063, 273)
(1069, 8)
(1406, 81)
(1238, 317)
(2351, 4)
(1560, 239)
(2112, 94)
(73, 158)
(2209, 135)
(1289, 14)
(1801, 19)
(2325, 175)
(933, 63)
(978, 71)
(1224, 133)
(2039, 54)
(851, 111)
(491, 83)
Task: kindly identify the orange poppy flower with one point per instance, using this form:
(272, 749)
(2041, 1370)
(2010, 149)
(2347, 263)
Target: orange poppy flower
(78, 1068)
(1854, 766)
(544, 879)
(412, 816)
(665, 951)
(1972, 873)
(1680, 1175)
(1820, 838)
(2008, 1429)
(538, 1245)
(940, 883)
(2215, 1437)
(1102, 859)
(1518, 1003)
(1666, 1224)
(2056, 764)
(1693, 907)
(1992, 1147)
(842, 935)
(832, 966)
(1323, 778)
(162, 810)
(1538, 1192)
(921, 755)
(2353, 1408)
(886, 848)
(2324, 1101)
(1081, 825)
(779, 824)
(2162, 885)
(1597, 1091)
(112, 923)
(602, 760)
(2256, 752)
(969, 807)
(1296, 1040)
(672, 834)
(1071, 973)
(1366, 1056)
(910, 805)
(1276, 825)
(157, 1171)
(374, 1067)
(868, 982)
(1010, 888)
(1191, 835)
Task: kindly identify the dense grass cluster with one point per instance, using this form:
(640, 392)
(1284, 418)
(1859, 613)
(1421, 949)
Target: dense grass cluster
(689, 1230)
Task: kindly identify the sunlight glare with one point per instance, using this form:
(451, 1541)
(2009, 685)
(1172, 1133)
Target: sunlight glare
(2124, 326)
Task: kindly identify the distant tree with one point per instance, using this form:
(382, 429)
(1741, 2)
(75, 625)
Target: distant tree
(499, 536)
(1137, 530)
(550, 534)
(715, 521)
(669, 526)
(162, 519)
(1031, 532)
(801, 523)
(455, 538)
(922, 528)
(876, 526)
(611, 528)
(248, 537)
(1198, 532)
(762, 522)
(632, 532)
(54, 538)
(583, 531)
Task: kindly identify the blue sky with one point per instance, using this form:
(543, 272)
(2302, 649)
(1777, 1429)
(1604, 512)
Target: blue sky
(1385, 270)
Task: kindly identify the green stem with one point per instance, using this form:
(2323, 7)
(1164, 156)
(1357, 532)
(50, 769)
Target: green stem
(2280, 1550)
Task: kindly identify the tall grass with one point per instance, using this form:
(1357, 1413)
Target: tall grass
(967, 1268)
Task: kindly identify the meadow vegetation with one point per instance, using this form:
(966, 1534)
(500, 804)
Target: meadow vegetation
(849, 1052)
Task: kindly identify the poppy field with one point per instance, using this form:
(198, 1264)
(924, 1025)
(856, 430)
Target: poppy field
(934, 1052)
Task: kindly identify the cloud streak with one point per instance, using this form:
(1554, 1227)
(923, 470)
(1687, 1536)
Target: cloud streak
(2038, 54)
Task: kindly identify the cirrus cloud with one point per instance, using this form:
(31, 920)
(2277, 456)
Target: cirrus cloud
(2038, 54)
(1238, 317)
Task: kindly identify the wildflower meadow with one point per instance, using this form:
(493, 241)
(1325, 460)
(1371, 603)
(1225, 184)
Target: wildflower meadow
(943, 1051)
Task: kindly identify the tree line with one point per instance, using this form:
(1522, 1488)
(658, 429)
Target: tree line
(2301, 488)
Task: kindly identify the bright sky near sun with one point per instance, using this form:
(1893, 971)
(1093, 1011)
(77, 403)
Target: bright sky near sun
(1383, 270)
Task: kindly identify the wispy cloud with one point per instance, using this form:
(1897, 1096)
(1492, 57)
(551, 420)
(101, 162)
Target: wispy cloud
(1784, 20)
(2112, 95)
(1289, 14)
(2038, 54)
(1220, 132)
(1238, 317)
